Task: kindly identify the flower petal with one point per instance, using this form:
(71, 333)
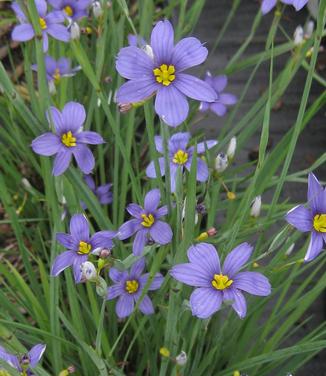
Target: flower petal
(89, 137)
(134, 91)
(62, 261)
(114, 291)
(236, 259)
(160, 212)
(11, 359)
(84, 158)
(73, 115)
(187, 53)
(139, 242)
(124, 306)
(218, 108)
(137, 268)
(219, 82)
(239, 301)
(146, 306)
(162, 41)
(54, 116)
(252, 282)
(161, 232)
(61, 162)
(152, 200)
(299, 4)
(58, 32)
(65, 239)
(179, 141)
(171, 105)
(41, 7)
(195, 88)
(128, 229)
(204, 302)
(134, 63)
(202, 170)
(315, 246)
(314, 190)
(63, 65)
(22, 33)
(103, 239)
(117, 276)
(35, 354)
(79, 227)
(76, 266)
(191, 275)
(300, 217)
(206, 145)
(135, 210)
(47, 144)
(267, 6)
(150, 170)
(159, 144)
(228, 99)
(156, 281)
(205, 256)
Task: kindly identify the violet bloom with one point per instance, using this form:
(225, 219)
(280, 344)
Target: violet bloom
(219, 106)
(268, 5)
(160, 72)
(312, 219)
(146, 223)
(50, 24)
(26, 362)
(55, 69)
(180, 156)
(136, 41)
(69, 139)
(72, 9)
(128, 286)
(102, 192)
(215, 284)
(79, 246)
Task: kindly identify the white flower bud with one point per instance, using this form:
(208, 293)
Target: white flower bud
(289, 250)
(255, 207)
(232, 148)
(52, 88)
(26, 183)
(298, 35)
(309, 29)
(183, 214)
(181, 359)
(97, 9)
(88, 271)
(74, 31)
(221, 162)
(148, 50)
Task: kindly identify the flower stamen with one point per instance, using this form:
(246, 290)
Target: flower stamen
(68, 139)
(221, 282)
(68, 10)
(180, 157)
(56, 75)
(42, 23)
(164, 74)
(84, 248)
(131, 286)
(148, 220)
(320, 222)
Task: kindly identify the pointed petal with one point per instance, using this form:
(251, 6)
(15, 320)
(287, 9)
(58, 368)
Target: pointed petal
(219, 83)
(54, 116)
(139, 242)
(205, 256)
(128, 229)
(89, 137)
(150, 170)
(65, 239)
(156, 281)
(47, 144)
(134, 91)
(58, 32)
(314, 190)
(162, 41)
(239, 305)
(188, 53)
(135, 210)
(152, 200)
(84, 158)
(315, 246)
(73, 115)
(62, 262)
(159, 144)
(35, 354)
(78, 261)
(103, 239)
(236, 259)
(79, 227)
(228, 99)
(22, 33)
(61, 162)
(218, 108)
(125, 306)
(146, 306)
(252, 282)
(179, 141)
(204, 302)
(206, 145)
(133, 63)
(160, 212)
(117, 276)
(137, 268)
(114, 291)
(267, 6)
(161, 232)
(300, 217)
(195, 88)
(191, 275)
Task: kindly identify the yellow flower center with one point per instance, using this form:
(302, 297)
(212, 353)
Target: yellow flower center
(320, 222)
(84, 248)
(68, 139)
(132, 286)
(68, 10)
(148, 220)
(42, 23)
(56, 75)
(180, 157)
(221, 282)
(164, 74)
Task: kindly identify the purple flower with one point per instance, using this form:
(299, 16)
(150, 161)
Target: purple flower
(72, 9)
(26, 362)
(268, 5)
(180, 155)
(161, 71)
(79, 246)
(146, 224)
(136, 41)
(215, 284)
(219, 106)
(55, 69)
(312, 219)
(102, 192)
(68, 140)
(129, 286)
(50, 24)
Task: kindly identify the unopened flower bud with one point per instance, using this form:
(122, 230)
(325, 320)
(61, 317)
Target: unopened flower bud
(212, 231)
(309, 29)
(97, 9)
(203, 236)
(52, 88)
(165, 352)
(71, 369)
(298, 35)
(201, 209)
(88, 270)
(25, 360)
(181, 359)
(105, 253)
(289, 250)
(124, 107)
(231, 195)
(221, 162)
(74, 31)
(26, 183)
(255, 207)
(255, 265)
(231, 148)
